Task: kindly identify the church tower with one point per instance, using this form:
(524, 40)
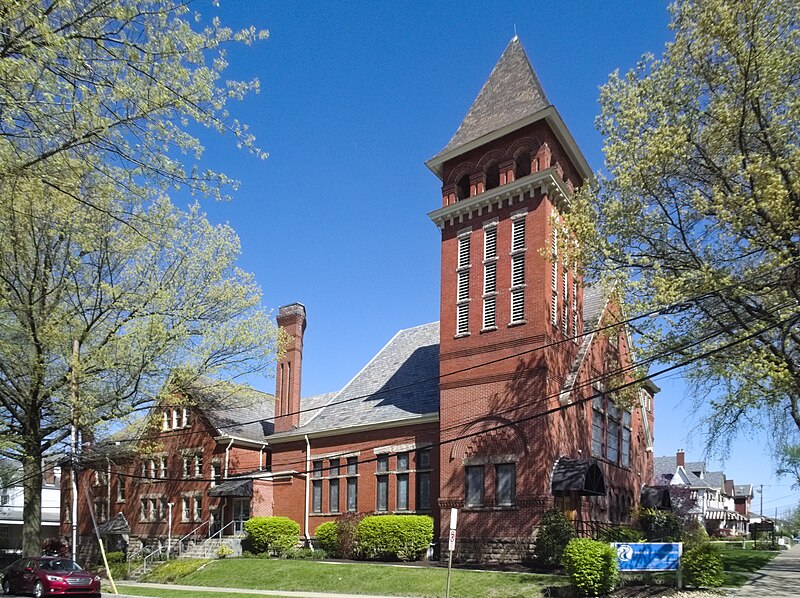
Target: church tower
(510, 305)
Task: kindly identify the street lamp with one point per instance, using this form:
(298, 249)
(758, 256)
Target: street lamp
(169, 528)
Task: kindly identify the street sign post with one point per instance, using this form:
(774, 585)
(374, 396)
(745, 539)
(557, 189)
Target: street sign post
(451, 546)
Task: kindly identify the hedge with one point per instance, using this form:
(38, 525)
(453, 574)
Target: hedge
(327, 536)
(394, 537)
(274, 535)
(702, 566)
(591, 566)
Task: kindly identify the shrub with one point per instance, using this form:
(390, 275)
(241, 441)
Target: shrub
(702, 566)
(272, 534)
(393, 537)
(621, 534)
(115, 557)
(327, 536)
(346, 526)
(555, 532)
(591, 566)
(305, 554)
(660, 526)
(223, 550)
(694, 534)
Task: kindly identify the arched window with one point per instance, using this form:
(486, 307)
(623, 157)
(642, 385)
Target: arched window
(522, 165)
(463, 187)
(492, 175)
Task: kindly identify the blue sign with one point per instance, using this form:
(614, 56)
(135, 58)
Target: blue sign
(648, 556)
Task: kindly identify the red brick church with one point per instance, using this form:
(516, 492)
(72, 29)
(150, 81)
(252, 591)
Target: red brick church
(499, 409)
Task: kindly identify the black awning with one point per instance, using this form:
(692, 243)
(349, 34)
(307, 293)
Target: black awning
(580, 476)
(233, 488)
(656, 497)
(116, 525)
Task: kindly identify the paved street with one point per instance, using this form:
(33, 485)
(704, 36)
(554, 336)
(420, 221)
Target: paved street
(780, 577)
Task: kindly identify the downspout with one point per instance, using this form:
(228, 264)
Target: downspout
(261, 457)
(108, 488)
(227, 457)
(308, 490)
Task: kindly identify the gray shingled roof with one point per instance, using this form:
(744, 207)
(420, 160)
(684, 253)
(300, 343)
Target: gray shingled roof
(511, 92)
(594, 302)
(663, 470)
(401, 382)
(743, 490)
(234, 409)
(715, 479)
(667, 466)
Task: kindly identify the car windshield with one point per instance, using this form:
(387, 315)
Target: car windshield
(59, 565)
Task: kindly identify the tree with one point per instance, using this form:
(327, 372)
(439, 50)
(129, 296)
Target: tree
(97, 103)
(154, 296)
(789, 463)
(700, 207)
(114, 84)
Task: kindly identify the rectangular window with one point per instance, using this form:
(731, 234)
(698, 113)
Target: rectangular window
(198, 465)
(424, 458)
(518, 270)
(174, 419)
(120, 489)
(490, 242)
(316, 496)
(333, 496)
(143, 509)
(187, 466)
(352, 495)
(185, 419)
(153, 508)
(198, 508)
(186, 506)
(489, 312)
(597, 433)
(352, 465)
(423, 491)
(517, 306)
(518, 234)
(216, 474)
(474, 490)
(163, 506)
(490, 278)
(162, 467)
(575, 306)
(462, 318)
(402, 461)
(565, 305)
(554, 309)
(463, 251)
(152, 470)
(505, 484)
(316, 469)
(463, 285)
(626, 447)
(333, 468)
(165, 423)
(612, 440)
(383, 463)
(383, 493)
(402, 492)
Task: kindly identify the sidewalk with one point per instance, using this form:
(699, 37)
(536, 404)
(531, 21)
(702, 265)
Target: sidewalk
(201, 589)
(778, 578)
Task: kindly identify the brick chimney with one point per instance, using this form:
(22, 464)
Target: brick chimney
(680, 458)
(292, 320)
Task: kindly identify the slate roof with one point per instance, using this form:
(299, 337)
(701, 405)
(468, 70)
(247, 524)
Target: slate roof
(743, 490)
(667, 466)
(400, 382)
(594, 302)
(234, 409)
(715, 479)
(511, 92)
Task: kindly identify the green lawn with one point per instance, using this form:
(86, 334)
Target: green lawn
(738, 562)
(361, 578)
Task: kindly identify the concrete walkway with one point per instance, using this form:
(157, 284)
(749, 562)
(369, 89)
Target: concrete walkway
(778, 578)
(199, 590)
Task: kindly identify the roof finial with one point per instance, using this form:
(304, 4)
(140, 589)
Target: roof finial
(515, 31)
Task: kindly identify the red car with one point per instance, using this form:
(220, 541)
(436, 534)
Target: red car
(49, 576)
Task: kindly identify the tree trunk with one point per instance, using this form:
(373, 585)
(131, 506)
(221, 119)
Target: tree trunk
(32, 509)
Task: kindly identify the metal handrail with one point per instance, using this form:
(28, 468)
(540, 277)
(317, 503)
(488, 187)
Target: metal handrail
(131, 557)
(219, 532)
(156, 551)
(191, 533)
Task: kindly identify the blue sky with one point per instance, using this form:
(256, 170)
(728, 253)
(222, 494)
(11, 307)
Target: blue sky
(355, 96)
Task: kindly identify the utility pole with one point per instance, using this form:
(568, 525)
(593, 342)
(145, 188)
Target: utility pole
(762, 503)
(73, 438)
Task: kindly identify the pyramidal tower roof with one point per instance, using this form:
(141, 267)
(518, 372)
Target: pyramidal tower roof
(511, 93)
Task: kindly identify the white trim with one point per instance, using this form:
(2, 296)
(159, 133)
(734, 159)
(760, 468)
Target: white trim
(410, 421)
(546, 180)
